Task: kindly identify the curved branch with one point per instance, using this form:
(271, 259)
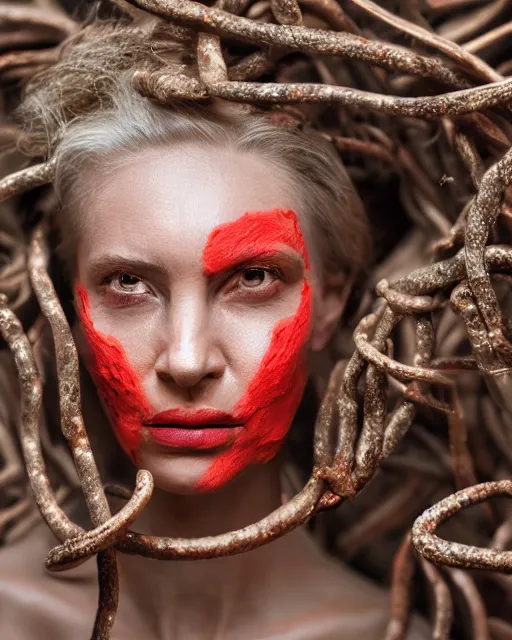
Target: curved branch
(31, 395)
(449, 48)
(284, 519)
(297, 38)
(27, 179)
(77, 550)
(454, 554)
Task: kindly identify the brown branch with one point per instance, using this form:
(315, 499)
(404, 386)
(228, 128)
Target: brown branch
(461, 55)
(454, 554)
(296, 38)
(400, 596)
(27, 179)
(77, 550)
(474, 602)
(12, 332)
(443, 606)
(290, 515)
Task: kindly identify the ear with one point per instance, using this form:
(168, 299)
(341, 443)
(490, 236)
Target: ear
(330, 305)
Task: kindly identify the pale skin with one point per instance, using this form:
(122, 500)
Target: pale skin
(198, 351)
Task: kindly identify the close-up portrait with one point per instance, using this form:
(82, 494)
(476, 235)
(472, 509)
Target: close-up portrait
(255, 319)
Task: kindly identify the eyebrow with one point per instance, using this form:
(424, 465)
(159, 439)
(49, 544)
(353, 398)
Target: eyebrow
(284, 254)
(110, 262)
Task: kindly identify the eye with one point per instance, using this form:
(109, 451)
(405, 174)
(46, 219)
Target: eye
(254, 277)
(128, 283)
(255, 283)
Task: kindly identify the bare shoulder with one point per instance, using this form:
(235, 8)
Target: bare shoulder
(36, 604)
(338, 603)
(366, 608)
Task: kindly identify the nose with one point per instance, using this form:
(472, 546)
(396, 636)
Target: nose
(190, 354)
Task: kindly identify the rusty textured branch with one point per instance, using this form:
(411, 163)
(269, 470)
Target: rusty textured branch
(400, 598)
(77, 550)
(481, 217)
(458, 103)
(453, 187)
(13, 334)
(454, 554)
(26, 179)
(461, 55)
(299, 38)
(72, 424)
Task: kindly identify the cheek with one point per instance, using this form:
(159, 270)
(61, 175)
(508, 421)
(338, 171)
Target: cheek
(245, 336)
(246, 331)
(127, 327)
(271, 400)
(117, 383)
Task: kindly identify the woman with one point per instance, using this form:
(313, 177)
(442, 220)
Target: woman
(211, 254)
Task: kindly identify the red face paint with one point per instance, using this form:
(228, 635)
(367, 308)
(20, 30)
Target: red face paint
(116, 381)
(260, 420)
(273, 395)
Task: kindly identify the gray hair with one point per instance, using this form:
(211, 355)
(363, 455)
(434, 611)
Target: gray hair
(334, 213)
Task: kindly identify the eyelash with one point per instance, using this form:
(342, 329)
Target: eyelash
(120, 299)
(257, 291)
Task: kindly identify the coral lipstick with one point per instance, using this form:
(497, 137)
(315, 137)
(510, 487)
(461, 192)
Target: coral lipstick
(203, 429)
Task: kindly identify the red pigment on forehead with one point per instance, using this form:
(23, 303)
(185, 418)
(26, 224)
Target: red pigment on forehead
(273, 395)
(116, 381)
(256, 232)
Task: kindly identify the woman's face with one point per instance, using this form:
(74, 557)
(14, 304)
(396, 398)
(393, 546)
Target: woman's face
(194, 293)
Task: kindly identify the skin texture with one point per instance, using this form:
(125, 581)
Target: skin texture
(191, 348)
(205, 335)
(261, 418)
(313, 599)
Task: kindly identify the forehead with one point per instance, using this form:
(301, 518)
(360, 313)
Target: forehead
(166, 201)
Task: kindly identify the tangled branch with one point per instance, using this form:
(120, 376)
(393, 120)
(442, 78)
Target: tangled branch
(460, 293)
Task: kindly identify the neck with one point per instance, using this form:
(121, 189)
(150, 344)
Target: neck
(250, 497)
(203, 598)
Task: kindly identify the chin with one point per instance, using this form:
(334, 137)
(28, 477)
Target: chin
(177, 473)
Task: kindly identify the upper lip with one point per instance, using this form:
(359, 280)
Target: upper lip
(197, 418)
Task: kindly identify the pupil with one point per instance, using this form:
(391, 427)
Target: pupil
(127, 279)
(253, 275)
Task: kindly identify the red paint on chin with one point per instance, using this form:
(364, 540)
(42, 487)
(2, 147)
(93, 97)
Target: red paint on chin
(273, 395)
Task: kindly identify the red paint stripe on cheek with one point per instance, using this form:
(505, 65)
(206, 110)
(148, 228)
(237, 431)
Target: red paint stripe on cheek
(116, 381)
(273, 395)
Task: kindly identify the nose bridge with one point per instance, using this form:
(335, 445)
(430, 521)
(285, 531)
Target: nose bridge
(189, 352)
(186, 327)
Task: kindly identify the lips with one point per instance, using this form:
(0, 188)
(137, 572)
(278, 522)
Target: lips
(199, 419)
(203, 429)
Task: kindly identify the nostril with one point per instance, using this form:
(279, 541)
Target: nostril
(187, 377)
(186, 367)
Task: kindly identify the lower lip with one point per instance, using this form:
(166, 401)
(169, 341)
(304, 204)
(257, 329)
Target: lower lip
(201, 439)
